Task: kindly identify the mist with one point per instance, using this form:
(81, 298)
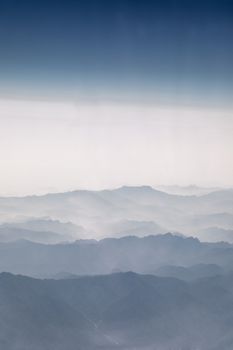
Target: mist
(97, 146)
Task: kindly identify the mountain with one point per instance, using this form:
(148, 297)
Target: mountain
(145, 292)
(90, 257)
(130, 227)
(216, 234)
(125, 310)
(127, 210)
(191, 190)
(11, 234)
(40, 230)
(47, 225)
(190, 273)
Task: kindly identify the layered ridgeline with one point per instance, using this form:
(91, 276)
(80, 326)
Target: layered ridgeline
(52, 218)
(164, 255)
(142, 289)
(119, 311)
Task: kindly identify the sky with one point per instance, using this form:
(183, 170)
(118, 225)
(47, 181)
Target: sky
(98, 94)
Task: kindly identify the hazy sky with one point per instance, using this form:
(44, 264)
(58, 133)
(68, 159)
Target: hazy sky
(60, 146)
(101, 93)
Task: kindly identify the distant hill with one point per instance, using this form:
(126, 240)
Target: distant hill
(136, 210)
(46, 224)
(191, 190)
(90, 257)
(40, 230)
(11, 234)
(190, 273)
(216, 234)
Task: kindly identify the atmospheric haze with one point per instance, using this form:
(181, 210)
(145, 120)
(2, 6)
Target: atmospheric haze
(52, 146)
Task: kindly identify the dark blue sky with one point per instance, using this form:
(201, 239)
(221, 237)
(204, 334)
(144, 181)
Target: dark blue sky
(167, 50)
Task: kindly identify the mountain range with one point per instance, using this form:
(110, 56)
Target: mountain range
(90, 257)
(119, 212)
(117, 269)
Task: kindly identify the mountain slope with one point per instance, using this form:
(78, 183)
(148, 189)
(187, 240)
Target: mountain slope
(119, 311)
(90, 257)
(98, 213)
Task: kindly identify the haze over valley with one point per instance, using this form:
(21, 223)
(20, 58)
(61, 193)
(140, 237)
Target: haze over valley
(139, 211)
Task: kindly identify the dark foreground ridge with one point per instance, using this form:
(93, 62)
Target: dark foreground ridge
(117, 311)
